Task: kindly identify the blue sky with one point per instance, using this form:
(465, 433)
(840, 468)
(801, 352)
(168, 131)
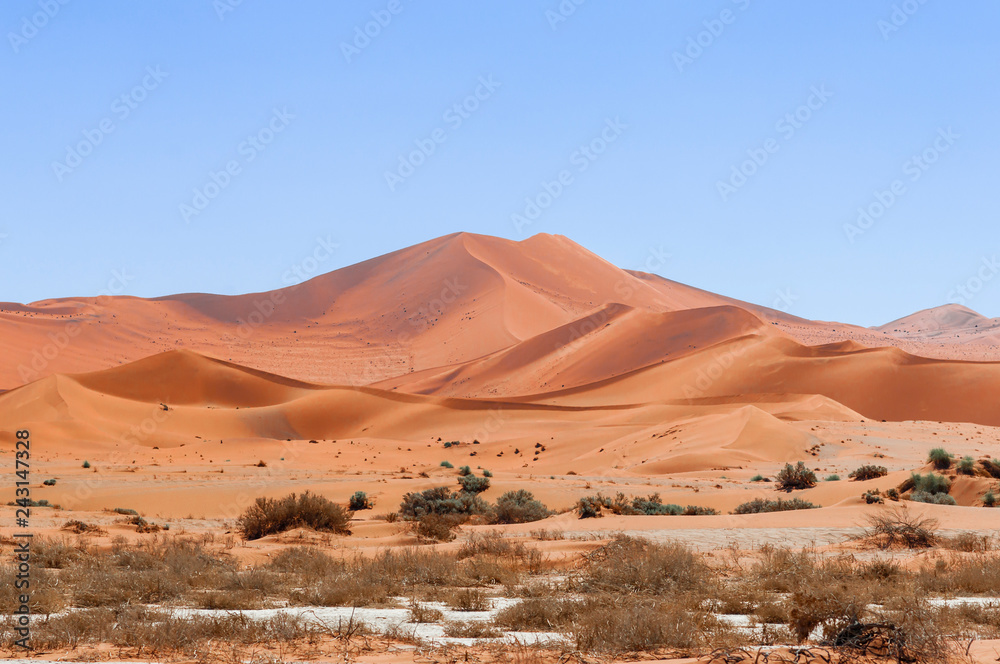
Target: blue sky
(153, 148)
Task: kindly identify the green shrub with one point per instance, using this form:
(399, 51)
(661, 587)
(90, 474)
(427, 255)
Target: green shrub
(487, 473)
(757, 478)
(795, 477)
(930, 483)
(594, 506)
(49, 482)
(868, 472)
(966, 466)
(873, 497)
(464, 470)
(832, 478)
(359, 501)
(518, 507)
(933, 498)
(446, 464)
(989, 499)
(472, 484)
(86, 464)
(652, 505)
(440, 500)
(275, 515)
(940, 458)
(125, 510)
(758, 505)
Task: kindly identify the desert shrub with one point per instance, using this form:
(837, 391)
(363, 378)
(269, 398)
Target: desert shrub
(868, 472)
(794, 477)
(438, 527)
(125, 510)
(268, 516)
(423, 614)
(932, 498)
(86, 464)
(446, 464)
(473, 629)
(464, 470)
(757, 478)
(631, 565)
(940, 458)
(81, 528)
(698, 510)
(653, 505)
(487, 473)
(469, 599)
(359, 501)
(966, 466)
(440, 500)
(892, 494)
(54, 553)
(930, 483)
(49, 482)
(968, 542)
(832, 478)
(989, 499)
(758, 505)
(991, 466)
(473, 484)
(897, 527)
(518, 507)
(612, 626)
(873, 497)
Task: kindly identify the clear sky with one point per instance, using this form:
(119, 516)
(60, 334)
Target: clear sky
(161, 147)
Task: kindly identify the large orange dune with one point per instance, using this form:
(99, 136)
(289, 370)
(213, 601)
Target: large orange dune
(539, 357)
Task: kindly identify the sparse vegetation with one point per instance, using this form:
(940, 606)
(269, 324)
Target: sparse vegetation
(832, 478)
(359, 501)
(898, 527)
(966, 466)
(268, 516)
(473, 484)
(989, 499)
(758, 505)
(464, 470)
(594, 506)
(868, 472)
(757, 478)
(518, 507)
(795, 477)
(447, 464)
(86, 464)
(940, 458)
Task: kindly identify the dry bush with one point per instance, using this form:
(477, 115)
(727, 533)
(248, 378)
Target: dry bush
(469, 599)
(474, 629)
(82, 528)
(423, 614)
(614, 625)
(978, 574)
(794, 477)
(630, 565)
(438, 527)
(514, 555)
(540, 614)
(268, 516)
(228, 600)
(55, 553)
(897, 527)
(969, 542)
(46, 595)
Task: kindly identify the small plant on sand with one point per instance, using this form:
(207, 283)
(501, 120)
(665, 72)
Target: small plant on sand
(759, 505)
(832, 478)
(447, 464)
(757, 478)
(873, 497)
(989, 499)
(868, 472)
(86, 464)
(49, 482)
(464, 470)
(929, 483)
(472, 484)
(940, 458)
(795, 477)
(518, 507)
(274, 515)
(440, 500)
(359, 501)
(966, 466)
(487, 473)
